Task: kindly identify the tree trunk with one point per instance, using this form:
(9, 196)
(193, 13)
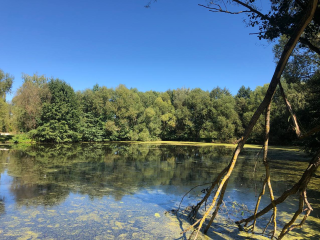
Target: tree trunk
(305, 20)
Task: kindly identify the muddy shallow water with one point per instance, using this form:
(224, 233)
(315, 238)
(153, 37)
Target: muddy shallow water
(123, 190)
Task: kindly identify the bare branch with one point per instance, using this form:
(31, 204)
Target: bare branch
(300, 27)
(312, 131)
(263, 16)
(310, 45)
(300, 185)
(250, 9)
(299, 134)
(289, 108)
(213, 9)
(300, 4)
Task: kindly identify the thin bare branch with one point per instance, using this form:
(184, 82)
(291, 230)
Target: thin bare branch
(213, 9)
(289, 108)
(312, 131)
(286, 229)
(294, 118)
(263, 16)
(310, 45)
(217, 208)
(300, 27)
(264, 230)
(186, 230)
(190, 191)
(301, 184)
(195, 210)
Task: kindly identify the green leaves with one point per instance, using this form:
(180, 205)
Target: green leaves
(53, 112)
(55, 131)
(60, 116)
(5, 86)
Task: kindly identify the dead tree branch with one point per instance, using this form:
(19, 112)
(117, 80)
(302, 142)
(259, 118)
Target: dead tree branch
(219, 9)
(263, 16)
(300, 186)
(304, 21)
(309, 133)
(267, 178)
(310, 45)
(217, 208)
(289, 108)
(193, 213)
(294, 118)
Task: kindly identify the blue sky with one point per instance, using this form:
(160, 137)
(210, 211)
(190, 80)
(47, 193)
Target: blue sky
(173, 44)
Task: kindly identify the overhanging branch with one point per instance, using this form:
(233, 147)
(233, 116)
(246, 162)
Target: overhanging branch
(310, 45)
(250, 9)
(213, 9)
(263, 16)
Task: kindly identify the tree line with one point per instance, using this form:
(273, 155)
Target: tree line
(49, 110)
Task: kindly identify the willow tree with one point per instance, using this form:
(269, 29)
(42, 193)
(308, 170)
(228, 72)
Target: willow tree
(300, 21)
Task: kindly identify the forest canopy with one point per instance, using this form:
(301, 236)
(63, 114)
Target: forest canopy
(49, 110)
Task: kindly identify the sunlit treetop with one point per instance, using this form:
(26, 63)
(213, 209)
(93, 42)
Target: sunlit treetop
(6, 81)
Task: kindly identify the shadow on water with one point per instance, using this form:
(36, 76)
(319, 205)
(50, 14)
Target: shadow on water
(121, 190)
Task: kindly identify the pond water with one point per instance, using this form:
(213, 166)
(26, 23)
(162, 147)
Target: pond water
(123, 190)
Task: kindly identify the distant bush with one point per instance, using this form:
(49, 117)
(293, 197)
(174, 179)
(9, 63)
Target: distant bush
(21, 138)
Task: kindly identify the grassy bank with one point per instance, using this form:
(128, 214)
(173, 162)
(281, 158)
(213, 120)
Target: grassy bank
(24, 138)
(202, 144)
(16, 138)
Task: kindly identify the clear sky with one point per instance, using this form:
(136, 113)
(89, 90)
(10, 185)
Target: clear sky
(173, 44)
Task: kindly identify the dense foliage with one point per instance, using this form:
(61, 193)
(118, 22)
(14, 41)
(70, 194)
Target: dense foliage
(50, 111)
(5, 87)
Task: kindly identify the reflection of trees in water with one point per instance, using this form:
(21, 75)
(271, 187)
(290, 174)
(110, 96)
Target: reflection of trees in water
(4, 156)
(250, 172)
(2, 206)
(45, 195)
(47, 173)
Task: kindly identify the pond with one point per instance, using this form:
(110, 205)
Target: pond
(125, 190)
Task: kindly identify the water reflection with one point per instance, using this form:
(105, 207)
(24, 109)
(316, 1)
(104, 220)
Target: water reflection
(49, 173)
(57, 176)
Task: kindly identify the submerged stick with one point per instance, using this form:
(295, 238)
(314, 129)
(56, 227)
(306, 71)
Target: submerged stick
(300, 185)
(265, 152)
(217, 207)
(195, 210)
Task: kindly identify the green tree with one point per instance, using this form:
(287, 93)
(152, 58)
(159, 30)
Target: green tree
(126, 112)
(183, 124)
(299, 20)
(242, 106)
(226, 119)
(311, 116)
(28, 101)
(200, 108)
(6, 81)
(302, 64)
(61, 116)
(299, 84)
